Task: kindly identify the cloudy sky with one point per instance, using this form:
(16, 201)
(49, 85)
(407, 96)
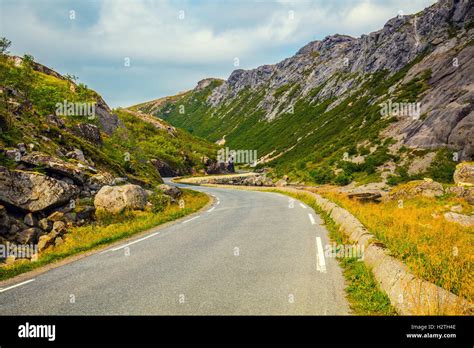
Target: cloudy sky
(137, 50)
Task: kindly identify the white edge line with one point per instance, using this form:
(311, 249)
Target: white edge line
(320, 262)
(135, 241)
(311, 218)
(302, 206)
(211, 209)
(17, 285)
(184, 222)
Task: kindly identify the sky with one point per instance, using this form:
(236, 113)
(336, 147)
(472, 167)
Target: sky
(131, 51)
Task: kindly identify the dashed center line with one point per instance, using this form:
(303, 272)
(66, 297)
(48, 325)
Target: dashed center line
(185, 222)
(320, 261)
(135, 241)
(311, 218)
(17, 285)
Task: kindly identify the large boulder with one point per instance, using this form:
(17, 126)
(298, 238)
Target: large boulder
(33, 191)
(55, 165)
(114, 199)
(464, 174)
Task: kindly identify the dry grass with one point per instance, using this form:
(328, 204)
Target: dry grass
(417, 234)
(85, 238)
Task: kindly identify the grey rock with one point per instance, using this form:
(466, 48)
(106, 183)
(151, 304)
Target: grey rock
(33, 191)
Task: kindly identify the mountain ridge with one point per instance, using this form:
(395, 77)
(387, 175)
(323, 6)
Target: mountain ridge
(410, 59)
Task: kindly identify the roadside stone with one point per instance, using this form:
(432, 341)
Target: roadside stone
(45, 224)
(114, 199)
(30, 220)
(44, 242)
(30, 235)
(56, 216)
(59, 228)
(172, 191)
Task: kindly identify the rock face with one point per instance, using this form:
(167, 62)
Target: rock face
(89, 132)
(164, 168)
(436, 42)
(114, 199)
(55, 165)
(464, 174)
(33, 191)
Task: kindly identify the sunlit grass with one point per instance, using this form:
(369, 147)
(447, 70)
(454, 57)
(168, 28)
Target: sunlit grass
(416, 233)
(86, 238)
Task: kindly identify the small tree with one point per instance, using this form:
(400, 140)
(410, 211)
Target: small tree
(4, 46)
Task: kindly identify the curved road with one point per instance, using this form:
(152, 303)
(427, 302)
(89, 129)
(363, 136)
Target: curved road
(250, 253)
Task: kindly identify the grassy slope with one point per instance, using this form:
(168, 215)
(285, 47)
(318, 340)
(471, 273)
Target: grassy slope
(141, 140)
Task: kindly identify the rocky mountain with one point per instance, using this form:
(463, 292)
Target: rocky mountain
(392, 105)
(64, 153)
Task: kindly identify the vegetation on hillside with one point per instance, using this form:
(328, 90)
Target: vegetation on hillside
(312, 138)
(29, 96)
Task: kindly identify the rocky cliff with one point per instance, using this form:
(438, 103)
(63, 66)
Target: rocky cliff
(422, 59)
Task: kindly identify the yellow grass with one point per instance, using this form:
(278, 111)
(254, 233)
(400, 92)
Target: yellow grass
(439, 251)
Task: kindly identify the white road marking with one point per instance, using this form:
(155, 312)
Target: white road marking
(135, 241)
(211, 209)
(320, 261)
(184, 222)
(218, 201)
(302, 206)
(311, 218)
(17, 285)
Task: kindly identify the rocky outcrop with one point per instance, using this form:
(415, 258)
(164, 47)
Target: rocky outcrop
(464, 220)
(55, 165)
(33, 192)
(115, 199)
(164, 168)
(89, 132)
(464, 174)
(417, 188)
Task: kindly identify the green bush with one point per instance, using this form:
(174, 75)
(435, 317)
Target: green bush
(342, 179)
(322, 175)
(160, 202)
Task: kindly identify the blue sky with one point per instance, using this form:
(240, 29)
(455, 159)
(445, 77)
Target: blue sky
(173, 44)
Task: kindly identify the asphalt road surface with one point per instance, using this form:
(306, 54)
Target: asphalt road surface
(251, 253)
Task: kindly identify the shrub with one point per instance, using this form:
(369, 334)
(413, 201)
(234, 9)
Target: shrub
(160, 202)
(343, 179)
(322, 175)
